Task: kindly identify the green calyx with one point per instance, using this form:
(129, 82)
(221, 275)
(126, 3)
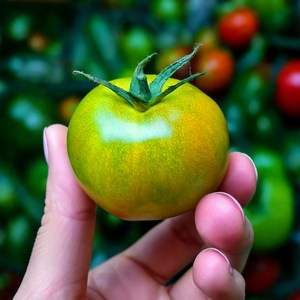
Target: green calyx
(142, 95)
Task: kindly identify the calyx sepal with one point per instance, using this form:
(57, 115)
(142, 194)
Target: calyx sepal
(141, 94)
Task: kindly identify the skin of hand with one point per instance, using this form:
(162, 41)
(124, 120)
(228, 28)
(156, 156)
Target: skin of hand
(216, 237)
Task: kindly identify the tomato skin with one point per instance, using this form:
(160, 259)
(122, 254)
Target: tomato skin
(219, 65)
(149, 165)
(288, 88)
(237, 28)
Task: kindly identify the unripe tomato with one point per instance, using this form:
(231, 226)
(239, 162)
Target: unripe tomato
(168, 10)
(208, 37)
(219, 67)
(170, 55)
(136, 43)
(288, 88)
(67, 107)
(238, 27)
(275, 15)
(149, 164)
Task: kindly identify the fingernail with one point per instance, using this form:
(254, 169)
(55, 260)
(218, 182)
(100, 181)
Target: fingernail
(254, 166)
(235, 201)
(231, 271)
(45, 145)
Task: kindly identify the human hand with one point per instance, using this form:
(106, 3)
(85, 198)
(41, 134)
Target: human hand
(217, 235)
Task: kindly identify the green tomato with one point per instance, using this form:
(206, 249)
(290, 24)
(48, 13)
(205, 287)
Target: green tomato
(151, 163)
(275, 15)
(136, 43)
(273, 204)
(27, 116)
(169, 10)
(19, 27)
(247, 103)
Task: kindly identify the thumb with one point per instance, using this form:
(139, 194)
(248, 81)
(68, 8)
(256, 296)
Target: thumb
(60, 258)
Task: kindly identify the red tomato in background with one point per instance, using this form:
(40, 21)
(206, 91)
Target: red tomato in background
(295, 296)
(261, 273)
(288, 88)
(237, 28)
(219, 65)
(208, 37)
(171, 55)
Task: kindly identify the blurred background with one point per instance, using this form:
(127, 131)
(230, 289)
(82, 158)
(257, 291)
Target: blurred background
(251, 52)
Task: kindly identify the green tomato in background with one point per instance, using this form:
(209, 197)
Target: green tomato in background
(275, 15)
(136, 44)
(27, 115)
(271, 211)
(169, 10)
(248, 103)
(19, 26)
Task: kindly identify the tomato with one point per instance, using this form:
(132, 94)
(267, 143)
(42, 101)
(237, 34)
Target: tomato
(288, 88)
(261, 273)
(219, 67)
(295, 296)
(273, 202)
(168, 10)
(238, 27)
(37, 41)
(19, 27)
(67, 107)
(136, 43)
(275, 15)
(170, 55)
(28, 114)
(208, 37)
(150, 159)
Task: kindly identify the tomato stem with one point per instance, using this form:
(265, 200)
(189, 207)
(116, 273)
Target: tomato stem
(142, 95)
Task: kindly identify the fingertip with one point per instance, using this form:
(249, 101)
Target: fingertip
(221, 223)
(212, 217)
(62, 185)
(252, 163)
(241, 177)
(213, 274)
